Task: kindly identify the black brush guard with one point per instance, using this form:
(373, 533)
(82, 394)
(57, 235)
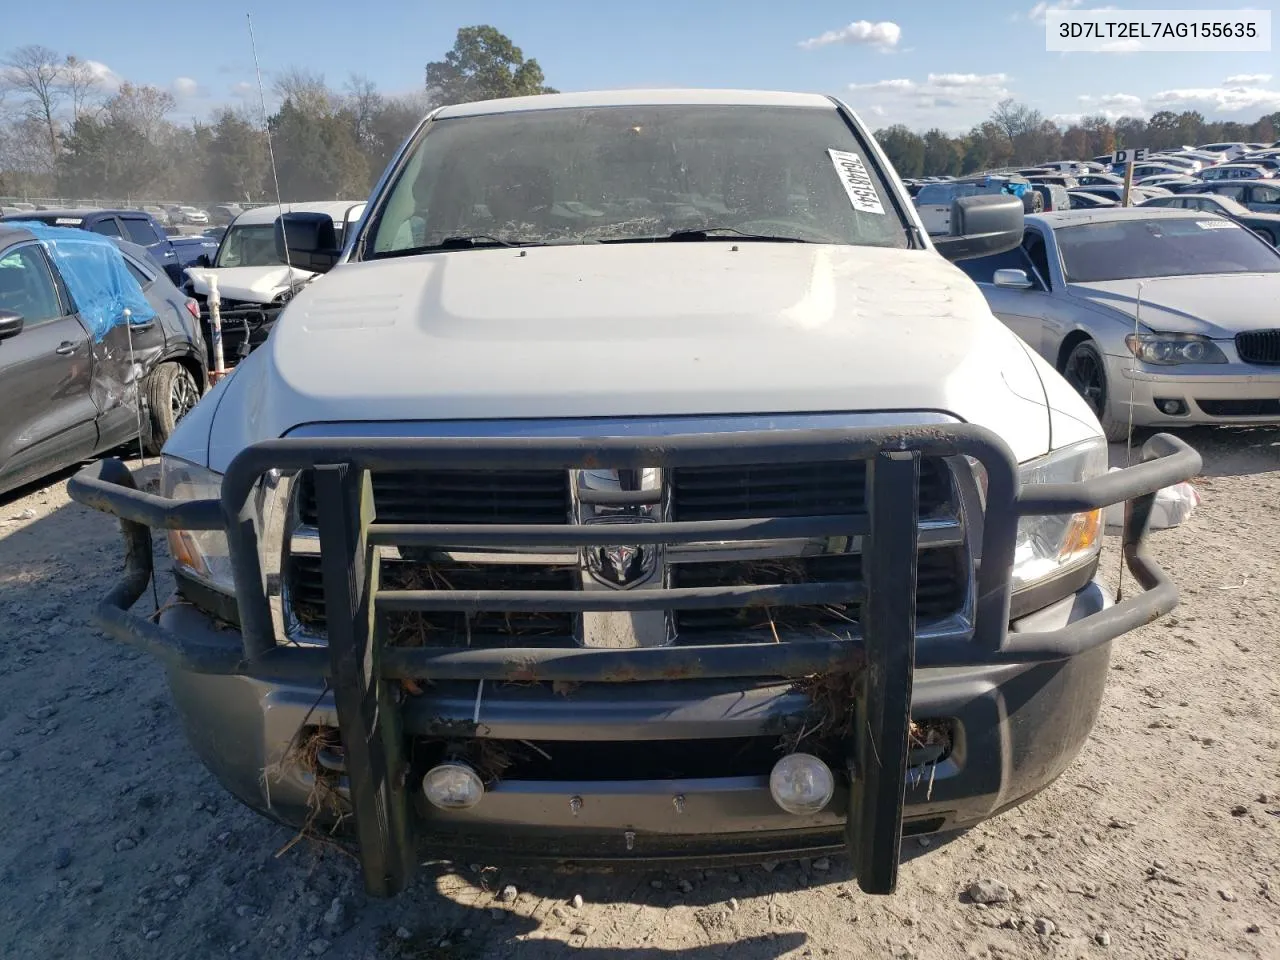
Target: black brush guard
(358, 666)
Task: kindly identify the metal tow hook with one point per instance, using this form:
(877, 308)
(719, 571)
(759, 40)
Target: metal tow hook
(630, 837)
(575, 805)
(678, 802)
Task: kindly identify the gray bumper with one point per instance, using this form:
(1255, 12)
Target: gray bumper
(1015, 727)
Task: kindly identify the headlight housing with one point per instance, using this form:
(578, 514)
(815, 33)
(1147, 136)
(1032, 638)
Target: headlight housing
(201, 555)
(1168, 349)
(1049, 545)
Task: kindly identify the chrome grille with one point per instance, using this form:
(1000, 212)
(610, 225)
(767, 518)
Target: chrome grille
(789, 490)
(1259, 346)
(548, 497)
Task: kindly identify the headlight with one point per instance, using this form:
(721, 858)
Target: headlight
(1166, 349)
(1047, 545)
(199, 554)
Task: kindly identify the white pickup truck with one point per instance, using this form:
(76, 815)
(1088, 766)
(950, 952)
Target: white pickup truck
(640, 484)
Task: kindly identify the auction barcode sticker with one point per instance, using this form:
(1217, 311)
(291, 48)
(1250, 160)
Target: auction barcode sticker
(1216, 225)
(857, 182)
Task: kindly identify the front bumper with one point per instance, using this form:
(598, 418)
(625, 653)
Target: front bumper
(1014, 727)
(1220, 394)
(1019, 702)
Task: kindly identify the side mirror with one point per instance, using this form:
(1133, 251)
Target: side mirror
(1013, 278)
(202, 261)
(982, 226)
(10, 324)
(307, 241)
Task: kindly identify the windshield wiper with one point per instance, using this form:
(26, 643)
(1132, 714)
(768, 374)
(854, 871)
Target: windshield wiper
(475, 241)
(710, 233)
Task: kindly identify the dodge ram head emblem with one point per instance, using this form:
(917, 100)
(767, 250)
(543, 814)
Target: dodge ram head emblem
(621, 566)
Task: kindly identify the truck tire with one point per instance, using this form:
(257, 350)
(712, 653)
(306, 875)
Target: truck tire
(171, 393)
(1032, 202)
(1266, 235)
(1085, 370)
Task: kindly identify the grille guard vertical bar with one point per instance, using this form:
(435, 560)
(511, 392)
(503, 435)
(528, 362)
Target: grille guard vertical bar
(873, 829)
(368, 716)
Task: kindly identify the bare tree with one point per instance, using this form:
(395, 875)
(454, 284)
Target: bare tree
(1015, 118)
(82, 84)
(306, 89)
(365, 103)
(36, 73)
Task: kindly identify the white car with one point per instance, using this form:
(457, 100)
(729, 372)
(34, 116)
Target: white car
(632, 424)
(1229, 150)
(1235, 171)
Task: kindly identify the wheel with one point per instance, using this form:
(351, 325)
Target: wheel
(1033, 202)
(171, 393)
(1267, 235)
(1086, 372)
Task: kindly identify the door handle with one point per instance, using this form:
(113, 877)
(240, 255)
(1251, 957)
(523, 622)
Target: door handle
(170, 253)
(65, 348)
(142, 327)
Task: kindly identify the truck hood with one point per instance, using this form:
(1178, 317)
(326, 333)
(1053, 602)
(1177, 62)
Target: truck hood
(636, 330)
(1218, 306)
(250, 284)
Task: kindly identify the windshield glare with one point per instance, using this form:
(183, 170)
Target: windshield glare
(587, 175)
(1166, 247)
(249, 246)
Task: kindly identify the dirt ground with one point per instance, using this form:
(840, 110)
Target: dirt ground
(1162, 840)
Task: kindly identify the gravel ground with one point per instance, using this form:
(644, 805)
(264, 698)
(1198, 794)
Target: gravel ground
(1162, 840)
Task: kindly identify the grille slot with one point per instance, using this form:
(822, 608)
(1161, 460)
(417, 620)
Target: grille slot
(1240, 408)
(940, 592)
(458, 496)
(447, 629)
(790, 490)
(1259, 346)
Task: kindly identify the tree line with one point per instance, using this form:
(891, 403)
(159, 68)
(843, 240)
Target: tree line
(63, 132)
(1016, 135)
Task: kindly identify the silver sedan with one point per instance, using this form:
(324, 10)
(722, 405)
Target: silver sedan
(1167, 317)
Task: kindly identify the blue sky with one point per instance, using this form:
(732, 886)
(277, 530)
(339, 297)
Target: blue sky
(921, 64)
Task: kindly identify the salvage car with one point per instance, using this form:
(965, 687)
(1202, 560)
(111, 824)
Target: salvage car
(254, 281)
(1157, 317)
(1259, 196)
(561, 519)
(68, 391)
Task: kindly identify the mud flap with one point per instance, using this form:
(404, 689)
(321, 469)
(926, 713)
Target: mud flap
(879, 747)
(368, 716)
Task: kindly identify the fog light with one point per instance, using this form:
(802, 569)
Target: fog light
(801, 784)
(1171, 408)
(452, 786)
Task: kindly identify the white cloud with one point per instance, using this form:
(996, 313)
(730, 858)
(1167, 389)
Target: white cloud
(108, 78)
(242, 90)
(1128, 45)
(1241, 99)
(883, 35)
(951, 100)
(185, 87)
(1247, 79)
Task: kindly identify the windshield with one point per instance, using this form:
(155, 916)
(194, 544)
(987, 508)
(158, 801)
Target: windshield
(249, 246)
(1166, 247)
(633, 173)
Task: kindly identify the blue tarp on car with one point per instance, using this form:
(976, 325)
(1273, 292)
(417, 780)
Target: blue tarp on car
(96, 277)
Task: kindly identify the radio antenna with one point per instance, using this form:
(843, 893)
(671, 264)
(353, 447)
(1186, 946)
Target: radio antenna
(266, 129)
